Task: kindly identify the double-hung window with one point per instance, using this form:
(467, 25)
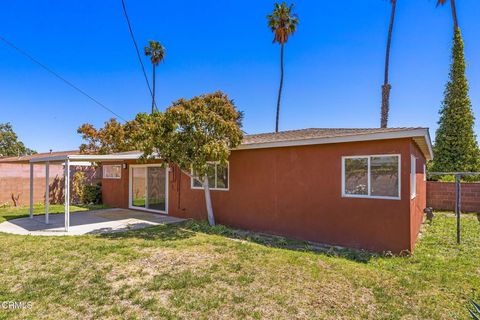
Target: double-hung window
(373, 176)
(218, 177)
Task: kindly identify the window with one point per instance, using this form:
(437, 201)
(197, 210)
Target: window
(112, 171)
(413, 177)
(376, 176)
(218, 178)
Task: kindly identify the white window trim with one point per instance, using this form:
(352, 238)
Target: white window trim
(214, 189)
(111, 165)
(413, 177)
(130, 180)
(369, 196)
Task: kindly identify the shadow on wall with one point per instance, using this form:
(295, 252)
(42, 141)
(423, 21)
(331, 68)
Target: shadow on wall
(15, 183)
(56, 195)
(80, 176)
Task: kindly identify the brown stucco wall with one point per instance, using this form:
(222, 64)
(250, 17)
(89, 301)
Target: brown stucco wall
(296, 192)
(115, 191)
(441, 196)
(418, 204)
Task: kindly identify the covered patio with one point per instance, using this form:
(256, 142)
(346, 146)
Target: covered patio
(67, 161)
(86, 222)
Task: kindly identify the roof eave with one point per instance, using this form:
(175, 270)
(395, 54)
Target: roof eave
(86, 157)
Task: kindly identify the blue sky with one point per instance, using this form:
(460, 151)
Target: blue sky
(333, 72)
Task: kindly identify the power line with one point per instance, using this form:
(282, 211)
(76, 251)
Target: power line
(30, 57)
(138, 52)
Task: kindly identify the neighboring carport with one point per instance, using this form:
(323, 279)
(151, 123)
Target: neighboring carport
(67, 161)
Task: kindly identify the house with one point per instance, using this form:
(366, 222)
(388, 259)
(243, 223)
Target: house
(360, 188)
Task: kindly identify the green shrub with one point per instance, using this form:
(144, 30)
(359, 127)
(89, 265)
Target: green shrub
(92, 194)
(78, 187)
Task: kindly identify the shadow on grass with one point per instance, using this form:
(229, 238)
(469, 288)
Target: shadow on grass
(187, 229)
(167, 232)
(279, 242)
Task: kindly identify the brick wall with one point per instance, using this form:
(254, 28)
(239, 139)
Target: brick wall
(441, 196)
(15, 179)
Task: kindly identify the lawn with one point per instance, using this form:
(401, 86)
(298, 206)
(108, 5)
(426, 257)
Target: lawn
(19, 212)
(192, 271)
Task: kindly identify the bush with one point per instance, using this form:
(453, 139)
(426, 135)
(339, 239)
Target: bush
(78, 187)
(451, 178)
(92, 194)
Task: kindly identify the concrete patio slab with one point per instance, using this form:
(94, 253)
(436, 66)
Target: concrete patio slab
(86, 222)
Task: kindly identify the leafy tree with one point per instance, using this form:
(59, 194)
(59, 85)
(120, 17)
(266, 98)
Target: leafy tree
(192, 134)
(456, 147)
(454, 11)
(113, 137)
(386, 86)
(156, 52)
(283, 23)
(9, 143)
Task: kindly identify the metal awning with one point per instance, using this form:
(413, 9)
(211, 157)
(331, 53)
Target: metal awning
(90, 157)
(67, 161)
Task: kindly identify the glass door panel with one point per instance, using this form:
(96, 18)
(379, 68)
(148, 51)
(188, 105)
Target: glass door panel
(156, 181)
(138, 187)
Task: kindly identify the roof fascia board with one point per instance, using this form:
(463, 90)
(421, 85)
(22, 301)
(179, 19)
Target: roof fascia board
(429, 144)
(49, 159)
(86, 157)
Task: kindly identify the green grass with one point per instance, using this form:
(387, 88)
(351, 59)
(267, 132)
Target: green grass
(192, 271)
(9, 213)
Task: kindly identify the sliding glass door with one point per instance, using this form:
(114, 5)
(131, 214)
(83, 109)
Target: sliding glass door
(148, 188)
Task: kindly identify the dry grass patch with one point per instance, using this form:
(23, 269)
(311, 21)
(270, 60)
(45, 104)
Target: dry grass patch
(192, 271)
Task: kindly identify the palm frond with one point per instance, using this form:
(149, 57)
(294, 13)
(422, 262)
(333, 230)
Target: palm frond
(441, 2)
(282, 22)
(156, 52)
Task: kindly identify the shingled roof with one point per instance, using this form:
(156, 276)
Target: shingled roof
(336, 135)
(309, 136)
(312, 133)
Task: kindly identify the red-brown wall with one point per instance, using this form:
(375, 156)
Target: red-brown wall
(441, 196)
(296, 192)
(115, 191)
(417, 204)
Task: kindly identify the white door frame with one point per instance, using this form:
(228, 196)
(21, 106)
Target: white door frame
(130, 179)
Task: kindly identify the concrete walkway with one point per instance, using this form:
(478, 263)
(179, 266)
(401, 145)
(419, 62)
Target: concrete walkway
(86, 222)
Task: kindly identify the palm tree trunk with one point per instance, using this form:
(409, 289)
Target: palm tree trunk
(386, 86)
(454, 14)
(153, 92)
(281, 86)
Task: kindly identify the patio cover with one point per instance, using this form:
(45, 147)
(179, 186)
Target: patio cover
(67, 161)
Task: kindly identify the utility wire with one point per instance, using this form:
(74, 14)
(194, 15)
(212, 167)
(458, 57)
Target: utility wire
(138, 52)
(30, 57)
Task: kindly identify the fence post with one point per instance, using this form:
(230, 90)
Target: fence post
(458, 204)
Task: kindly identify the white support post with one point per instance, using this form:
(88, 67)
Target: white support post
(47, 191)
(31, 190)
(67, 194)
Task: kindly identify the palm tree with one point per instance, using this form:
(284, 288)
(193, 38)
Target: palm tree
(283, 23)
(386, 86)
(156, 52)
(454, 11)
